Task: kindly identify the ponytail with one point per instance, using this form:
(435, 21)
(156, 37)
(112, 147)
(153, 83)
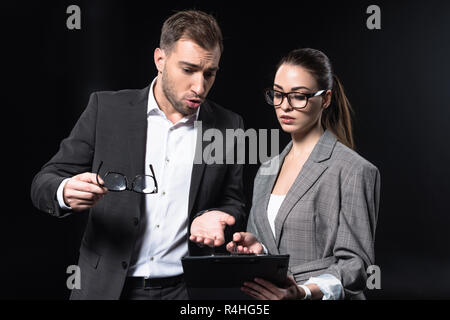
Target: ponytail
(337, 117)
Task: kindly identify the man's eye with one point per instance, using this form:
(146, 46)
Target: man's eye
(187, 70)
(208, 75)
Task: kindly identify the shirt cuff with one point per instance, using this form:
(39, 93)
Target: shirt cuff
(264, 249)
(330, 286)
(60, 197)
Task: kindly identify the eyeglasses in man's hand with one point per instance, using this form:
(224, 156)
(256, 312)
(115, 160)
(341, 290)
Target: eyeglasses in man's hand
(117, 182)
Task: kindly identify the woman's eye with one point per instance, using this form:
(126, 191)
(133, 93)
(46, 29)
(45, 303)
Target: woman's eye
(299, 97)
(277, 95)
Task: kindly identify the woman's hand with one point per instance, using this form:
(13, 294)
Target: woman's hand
(265, 290)
(245, 242)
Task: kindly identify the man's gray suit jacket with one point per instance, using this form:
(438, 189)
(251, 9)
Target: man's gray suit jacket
(113, 129)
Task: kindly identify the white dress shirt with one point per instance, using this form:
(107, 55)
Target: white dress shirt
(330, 286)
(170, 149)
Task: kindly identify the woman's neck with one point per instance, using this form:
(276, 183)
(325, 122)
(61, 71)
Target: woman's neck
(303, 142)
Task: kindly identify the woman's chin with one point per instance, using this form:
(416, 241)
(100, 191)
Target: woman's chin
(289, 128)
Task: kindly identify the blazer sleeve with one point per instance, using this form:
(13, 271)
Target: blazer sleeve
(74, 156)
(354, 246)
(251, 223)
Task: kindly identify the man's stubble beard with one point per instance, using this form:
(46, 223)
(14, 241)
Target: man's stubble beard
(168, 91)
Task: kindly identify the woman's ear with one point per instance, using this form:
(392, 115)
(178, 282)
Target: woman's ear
(160, 59)
(327, 99)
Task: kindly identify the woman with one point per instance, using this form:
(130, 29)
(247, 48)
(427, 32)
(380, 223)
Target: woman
(320, 205)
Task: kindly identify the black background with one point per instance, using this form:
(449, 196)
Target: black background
(396, 79)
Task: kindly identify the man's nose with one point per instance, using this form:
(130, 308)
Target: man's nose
(198, 85)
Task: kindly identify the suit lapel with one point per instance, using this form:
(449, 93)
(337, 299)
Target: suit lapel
(310, 173)
(268, 181)
(136, 119)
(207, 121)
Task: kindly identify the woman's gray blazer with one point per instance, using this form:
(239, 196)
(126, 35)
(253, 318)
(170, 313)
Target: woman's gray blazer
(327, 220)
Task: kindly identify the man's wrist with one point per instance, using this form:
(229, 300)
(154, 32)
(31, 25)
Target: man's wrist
(202, 212)
(60, 195)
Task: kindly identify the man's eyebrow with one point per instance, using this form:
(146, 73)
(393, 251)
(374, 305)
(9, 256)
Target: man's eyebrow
(196, 66)
(292, 89)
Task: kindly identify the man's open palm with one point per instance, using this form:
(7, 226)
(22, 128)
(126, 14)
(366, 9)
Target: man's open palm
(208, 229)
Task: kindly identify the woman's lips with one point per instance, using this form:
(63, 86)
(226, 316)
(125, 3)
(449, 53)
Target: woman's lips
(287, 119)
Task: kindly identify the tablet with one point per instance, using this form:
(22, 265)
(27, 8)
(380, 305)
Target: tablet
(220, 277)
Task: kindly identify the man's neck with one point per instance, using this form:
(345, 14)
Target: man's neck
(164, 104)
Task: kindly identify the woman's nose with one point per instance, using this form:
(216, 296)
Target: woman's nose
(285, 104)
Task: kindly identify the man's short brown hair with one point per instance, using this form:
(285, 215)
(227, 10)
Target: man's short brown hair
(194, 25)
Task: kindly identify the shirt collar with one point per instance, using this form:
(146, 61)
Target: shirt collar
(153, 108)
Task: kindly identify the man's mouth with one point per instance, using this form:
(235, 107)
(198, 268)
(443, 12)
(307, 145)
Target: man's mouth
(194, 103)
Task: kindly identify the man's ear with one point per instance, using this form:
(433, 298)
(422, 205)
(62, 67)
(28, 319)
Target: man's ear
(160, 59)
(327, 99)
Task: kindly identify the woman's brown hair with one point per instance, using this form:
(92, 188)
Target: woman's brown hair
(337, 117)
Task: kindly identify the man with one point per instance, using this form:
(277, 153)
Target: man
(133, 242)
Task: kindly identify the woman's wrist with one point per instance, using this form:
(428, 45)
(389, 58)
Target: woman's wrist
(304, 292)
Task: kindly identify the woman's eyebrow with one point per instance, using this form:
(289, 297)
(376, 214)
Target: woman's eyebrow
(301, 87)
(278, 86)
(292, 89)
